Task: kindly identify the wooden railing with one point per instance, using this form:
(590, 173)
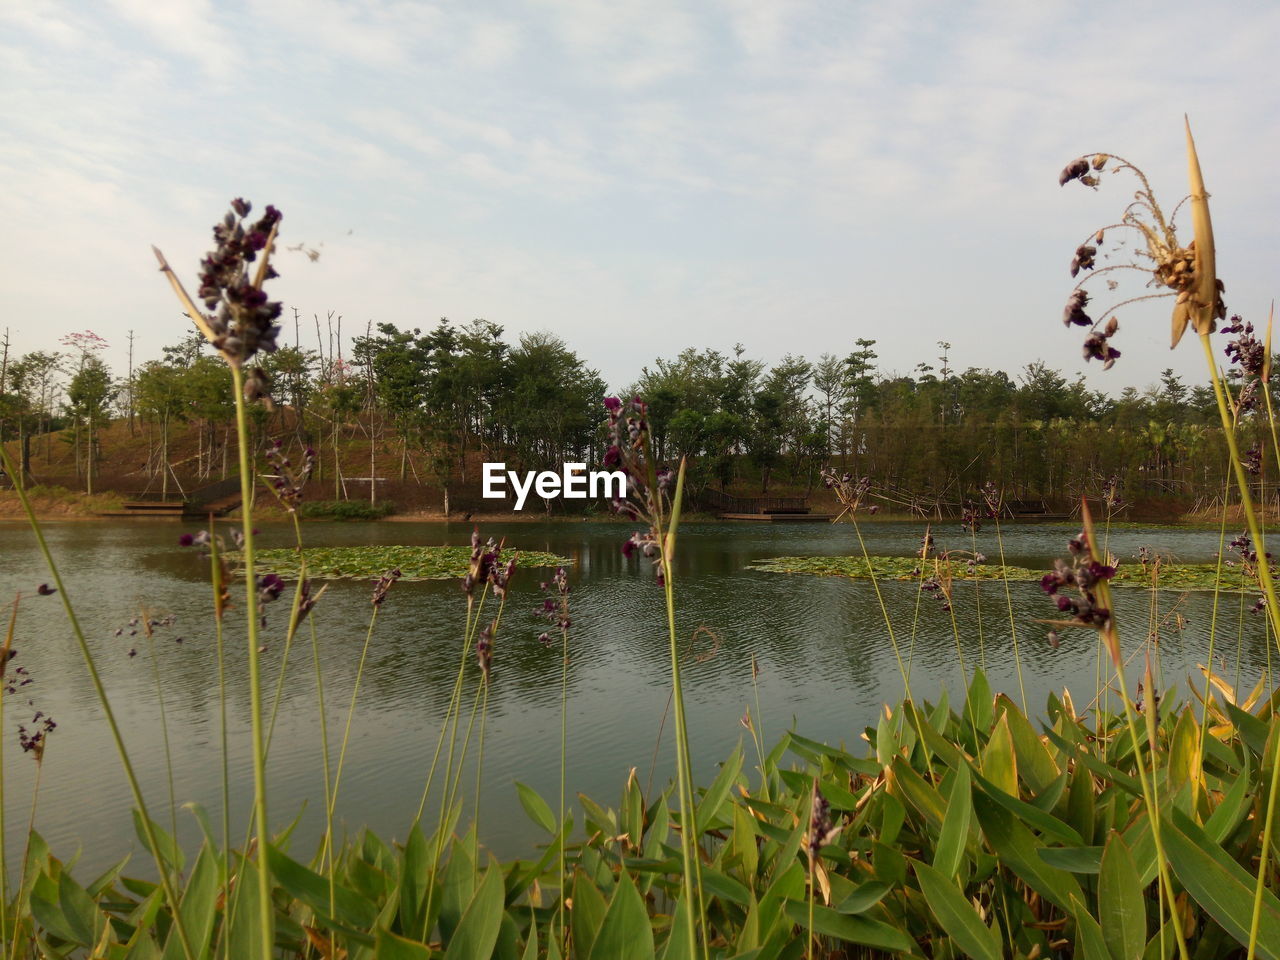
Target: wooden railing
(724, 503)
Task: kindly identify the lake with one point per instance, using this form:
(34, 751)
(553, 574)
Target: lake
(821, 645)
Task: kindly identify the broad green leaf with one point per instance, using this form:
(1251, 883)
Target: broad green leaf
(1122, 910)
(312, 889)
(678, 939)
(1089, 939)
(625, 933)
(457, 888)
(908, 784)
(199, 905)
(743, 842)
(892, 815)
(1018, 850)
(1046, 823)
(999, 764)
(956, 915)
(863, 897)
(1231, 809)
(1073, 859)
(47, 910)
(1035, 763)
(391, 946)
(978, 704)
(168, 851)
(1184, 758)
(1081, 804)
(718, 792)
(536, 808)
(244, 929)
(415, 875)
(588, 913)
(724, 886)
(477, 932)
(633, 811)
(850, 928)
(955, 824)
(1220, 885)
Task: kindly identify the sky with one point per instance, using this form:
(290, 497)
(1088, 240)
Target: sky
(634, 177)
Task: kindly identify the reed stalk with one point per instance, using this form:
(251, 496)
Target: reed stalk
(100, 691)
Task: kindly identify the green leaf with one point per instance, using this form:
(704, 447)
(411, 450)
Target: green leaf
(999, 764)
(244, 926)
(718, 792)
(955, 824)
(625, 933)
(477, 932)
(1220, 885)
(1089, 939)
(47, 910)
(83, 916)
(724, 886)
(1184, 758)
(850, 928)
(863, 897)
(956, 915)
(1231, 810)
(457, 888)
(978, 704)
(312, 889)
(677, 945)
(1073, 859)
(199, 905)
(924, 797)
(1035, 763)
(536, 808)
(588, 913)
(1046, 823)
(633, 811)
(1122, 909)
(169, 852)
(1017, 848)
(390, 946)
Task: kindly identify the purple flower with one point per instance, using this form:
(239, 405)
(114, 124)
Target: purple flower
(45, 590)
(1077, 169)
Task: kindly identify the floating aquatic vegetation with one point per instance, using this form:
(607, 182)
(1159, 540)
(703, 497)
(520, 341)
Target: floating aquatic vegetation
(361, 563)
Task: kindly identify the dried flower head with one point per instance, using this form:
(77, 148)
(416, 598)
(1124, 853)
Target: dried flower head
(289, 479)
(1185, 272)
(649, 485)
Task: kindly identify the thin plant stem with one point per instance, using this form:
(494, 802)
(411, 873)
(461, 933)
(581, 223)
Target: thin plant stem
(564, 754)
(4, 857)
(166, 882)
(351, 712)
(1013, 627)
(164, 722)
(215, 574)
(977, 599)
(26, 851)
(265, 915)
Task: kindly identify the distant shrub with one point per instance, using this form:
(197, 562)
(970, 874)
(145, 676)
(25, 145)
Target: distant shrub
(345, 510)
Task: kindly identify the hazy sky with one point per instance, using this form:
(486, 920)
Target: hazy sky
(635, 177)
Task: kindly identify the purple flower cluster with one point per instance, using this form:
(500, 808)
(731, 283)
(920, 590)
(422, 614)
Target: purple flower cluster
(382, 586)
(289, 480)
(850, 491)
(31, 739)
(1084, 574)
(484, 567)
(244, 320)
(484, 651)
(821, 829)
(555, 605)
(649, 485)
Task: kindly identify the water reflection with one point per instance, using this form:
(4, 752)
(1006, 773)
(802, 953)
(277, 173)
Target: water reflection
(824, 651)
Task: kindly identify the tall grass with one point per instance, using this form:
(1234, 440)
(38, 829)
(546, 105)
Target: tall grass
(968, 831)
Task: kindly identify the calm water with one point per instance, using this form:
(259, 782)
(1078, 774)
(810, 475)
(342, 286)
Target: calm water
(825, 661)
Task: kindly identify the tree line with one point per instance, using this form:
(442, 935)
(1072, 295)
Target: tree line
(452, 395)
